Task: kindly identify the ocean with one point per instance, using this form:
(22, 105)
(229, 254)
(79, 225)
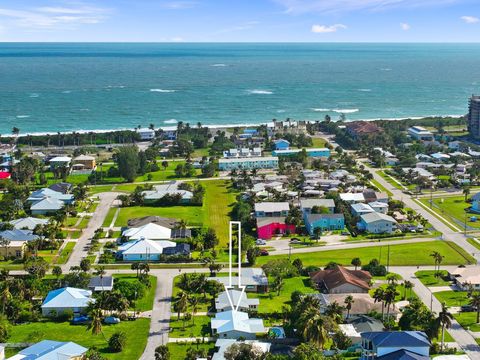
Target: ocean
(50, 87)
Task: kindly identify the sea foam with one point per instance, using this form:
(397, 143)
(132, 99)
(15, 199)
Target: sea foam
(170, 121)
(219, 65)
(163, 90)
(22, 116)
(260, 92)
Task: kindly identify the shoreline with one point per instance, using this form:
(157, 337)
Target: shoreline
(215, 126)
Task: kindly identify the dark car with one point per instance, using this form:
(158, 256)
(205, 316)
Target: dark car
(264, 252)
(468, 308)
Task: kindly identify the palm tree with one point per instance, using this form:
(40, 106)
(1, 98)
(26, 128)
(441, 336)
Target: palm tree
(314, 327)
(466, 192)
(389, 296)
(4, 242)
(379, 296)
(438, 258)
(181, 303)
(5, 295)
(335, 311)
(407, 285)
(475, 303)
(444, 320)
(193, 301)
(348, 304)
(94, 310)
(356, 262)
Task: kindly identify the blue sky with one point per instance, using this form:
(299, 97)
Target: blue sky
(241, 20)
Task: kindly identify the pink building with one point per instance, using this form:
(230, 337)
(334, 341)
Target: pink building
(269, 227)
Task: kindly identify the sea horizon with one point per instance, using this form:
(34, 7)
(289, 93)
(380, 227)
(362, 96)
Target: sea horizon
(108, 86)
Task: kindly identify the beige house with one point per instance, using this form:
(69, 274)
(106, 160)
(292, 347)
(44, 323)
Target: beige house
(84, 162)
(341, 280)
(16, 249)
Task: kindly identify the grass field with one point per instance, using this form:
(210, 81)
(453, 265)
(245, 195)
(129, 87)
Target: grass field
(474, 243)
(380, 187)
(400, 255)
(199, 329)
(99, 189)
(178, 351)
(319, 142)
(164, 174)
(270, 302)
(452, 298)
(428, 278)
(453, 208)
(146, 302)
(109, 217)
(468, 321)
(66, 252)
(214, 213)
(136, 331)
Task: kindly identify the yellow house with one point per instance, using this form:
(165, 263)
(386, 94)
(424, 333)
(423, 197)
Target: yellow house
(84, 162)
(16, 249)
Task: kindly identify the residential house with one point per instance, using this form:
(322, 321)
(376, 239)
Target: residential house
(62, 187)
(18, 240)
(146, 134)
(179, 249)
(359, 129)
(149, 231)
(466, 277)
(395, 345)
(377, 223)
(264, 162)
(440, 156)
(46, 206)
(84, 162)
(359, 209)
(152, 196)
(281, 144)
(324, 222)
(271, 209)
(352, 198)
(420, 133)
(4, 175)
(225, 300)
(60, 162)
(47, 201)
(307, 204)
(235, 325)
(143, 250)
(65, 299)
(267, 227)
(454, 145)
(51, 350)
(28, 223)
(101, 283)
(176, 232)
(254, 280)
(379, 207)
(222, 345)
(341, 280)
(475, 203)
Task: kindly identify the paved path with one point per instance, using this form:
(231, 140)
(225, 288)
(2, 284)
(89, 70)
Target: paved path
(96, 221)
(462, 337)
(448, 234)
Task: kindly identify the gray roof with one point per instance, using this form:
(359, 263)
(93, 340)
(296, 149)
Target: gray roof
(403, 355)
(99, 282)
(363, 323)
(237, 297)
(272, 206)
(262, 221)
(310, 203)
(28, 223)
(250, 276)
(18, 235)
(47, 204)
(375, 216)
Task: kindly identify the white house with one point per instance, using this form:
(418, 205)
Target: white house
(377, 223)
(66, 299)
(352, 198)
(222, 345)
(146, 134)
(51, 350)
(420, 133)
(379, 207)
(144, 249)
(225, 300)
(148, 231)
(236, 324)
(463, 276)
(29, 223)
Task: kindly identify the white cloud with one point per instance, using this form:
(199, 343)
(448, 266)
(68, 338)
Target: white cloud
(179, 5)
(322, 29)
(177, 39)
(305, 6)
(405, 26)
(245, 26)
(52, 17)
(470, 19)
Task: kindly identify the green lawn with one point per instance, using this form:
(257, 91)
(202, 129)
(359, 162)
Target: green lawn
(319, 142)
(474, 243)
(454, 209)
(400, 255)
(199, 329)
(400, 290)
(66, 252)
(146, 302)
(204, 303)
(270, 302)
(99, 189)
(136, 331)
(468, 320)
(109, 217)
(164, 174)
(214, 213)
(380, 187)
(452, 298)
(178, 351)
(428, 278)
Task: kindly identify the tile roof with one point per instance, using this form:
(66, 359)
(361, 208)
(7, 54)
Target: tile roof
(340, 276)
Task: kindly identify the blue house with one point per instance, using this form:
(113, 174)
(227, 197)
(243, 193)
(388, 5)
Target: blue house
(313, 152)
(324, 222)
(475, 203)
(395, 345)
(282, 144)
(48, 349)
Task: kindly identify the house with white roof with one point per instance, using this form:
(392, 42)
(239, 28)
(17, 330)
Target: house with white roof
(51, 350)
(271, 209)
(360, 209)
(47, 201)
(146, 133)
(148, 231)
(235, 325)
(28, 223)
(377, 223)
(151, 196)
(352, 198)
(420, 133)
(225, 300)
(66, 299)
(60, 161)
(379, 207)
(254, 280)
(467, 275)
(143, 250)
(46, 206)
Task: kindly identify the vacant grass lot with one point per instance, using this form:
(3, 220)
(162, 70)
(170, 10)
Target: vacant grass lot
(468, 320)
(136, 331)
(454, 209)
(428, 278)
(452, 298)
(218, 200)
(145, 303)
(164, 173)
(400, 255)
(200, 328)
(178, 351)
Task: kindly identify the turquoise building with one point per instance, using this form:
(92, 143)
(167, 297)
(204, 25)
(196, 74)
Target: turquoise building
(313, 152)
(324, 222)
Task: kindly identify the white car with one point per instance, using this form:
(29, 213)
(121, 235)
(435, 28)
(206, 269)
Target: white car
(260, 242)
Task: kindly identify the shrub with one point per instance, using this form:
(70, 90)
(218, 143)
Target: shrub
(117, 341)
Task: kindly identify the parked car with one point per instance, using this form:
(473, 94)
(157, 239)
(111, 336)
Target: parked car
(263, 252)
(111, 320)
(80, 320)
(295, 241)
(260, 242)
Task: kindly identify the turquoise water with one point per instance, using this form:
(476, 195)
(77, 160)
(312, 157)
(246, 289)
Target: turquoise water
(64, 87)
